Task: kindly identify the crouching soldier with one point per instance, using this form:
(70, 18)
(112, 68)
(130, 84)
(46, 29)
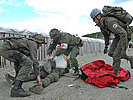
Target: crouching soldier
(23, 52)
(69, 46)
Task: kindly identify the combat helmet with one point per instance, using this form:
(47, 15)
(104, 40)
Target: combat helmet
(54, 33)
(95, 12)
(38, 38)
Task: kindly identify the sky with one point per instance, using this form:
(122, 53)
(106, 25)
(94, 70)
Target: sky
(72, 16)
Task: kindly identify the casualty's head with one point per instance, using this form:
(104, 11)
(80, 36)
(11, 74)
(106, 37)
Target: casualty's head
(54, 33)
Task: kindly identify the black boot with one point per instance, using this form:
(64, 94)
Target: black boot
(76, 72)
(10, 79)
(18, 91)
(131, 62)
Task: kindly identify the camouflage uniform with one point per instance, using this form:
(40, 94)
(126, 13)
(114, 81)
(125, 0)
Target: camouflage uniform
(72, 49)
(19, 51)
(48, 75)
(118, 47)
(23, 52)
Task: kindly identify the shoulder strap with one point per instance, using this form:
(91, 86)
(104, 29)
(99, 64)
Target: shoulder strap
(105, 23)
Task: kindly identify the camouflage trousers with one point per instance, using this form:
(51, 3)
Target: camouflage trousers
(117, 53)
(25, 63)
(46, 78)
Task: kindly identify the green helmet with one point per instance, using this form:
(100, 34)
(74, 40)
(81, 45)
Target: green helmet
(54, 33)
(38, 38)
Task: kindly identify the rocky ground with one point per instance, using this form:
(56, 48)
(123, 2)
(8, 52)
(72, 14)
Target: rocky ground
(62, 90)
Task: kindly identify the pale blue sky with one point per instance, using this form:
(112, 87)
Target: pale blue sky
(42, 15)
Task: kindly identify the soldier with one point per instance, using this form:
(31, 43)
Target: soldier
(23, 52)
(48, 74)
(119, 45)
(69, 46)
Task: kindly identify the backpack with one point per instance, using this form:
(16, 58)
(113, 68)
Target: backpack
(117, 12)
(100, 74)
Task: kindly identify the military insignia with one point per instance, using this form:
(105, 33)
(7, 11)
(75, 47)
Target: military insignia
(115, 25)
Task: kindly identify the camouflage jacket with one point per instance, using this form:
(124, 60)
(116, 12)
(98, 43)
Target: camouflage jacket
(67, 38)
(115, 26)
(27, 47)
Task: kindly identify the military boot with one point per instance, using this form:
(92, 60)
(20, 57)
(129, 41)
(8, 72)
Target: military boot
(10, 79)
(18, 91)
(36, 89)
(76, 72)
(131, 62)
(66, 70)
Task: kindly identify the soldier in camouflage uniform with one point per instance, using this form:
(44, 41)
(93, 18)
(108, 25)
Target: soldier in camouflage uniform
(48, 74)
(121, 32)
(69, 46)
(23, 52)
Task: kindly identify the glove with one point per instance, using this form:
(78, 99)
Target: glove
(105, 50)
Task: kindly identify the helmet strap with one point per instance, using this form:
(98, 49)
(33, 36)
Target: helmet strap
(98, 21)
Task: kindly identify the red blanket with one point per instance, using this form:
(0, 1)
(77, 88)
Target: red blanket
(100, 74)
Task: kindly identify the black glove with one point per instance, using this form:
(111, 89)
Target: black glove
(105, 50)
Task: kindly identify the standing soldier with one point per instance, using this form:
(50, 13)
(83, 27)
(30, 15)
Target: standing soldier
(69, 46)
(23, 52)
(120, 29)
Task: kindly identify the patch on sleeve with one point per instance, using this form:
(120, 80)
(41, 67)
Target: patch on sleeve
(115, 25)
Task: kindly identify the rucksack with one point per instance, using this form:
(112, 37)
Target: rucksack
(100, 74)
(117, 12)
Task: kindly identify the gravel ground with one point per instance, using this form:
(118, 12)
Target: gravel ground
(80, 91)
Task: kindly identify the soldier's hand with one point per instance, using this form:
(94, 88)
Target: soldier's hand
(49, 57)
(39, 80)
(105, 50)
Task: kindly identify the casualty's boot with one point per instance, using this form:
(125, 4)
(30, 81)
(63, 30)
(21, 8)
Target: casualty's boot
(18, 91)
(76, 72)
(131, 62)
(36, 89)
(66, 70)
(10, 79)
